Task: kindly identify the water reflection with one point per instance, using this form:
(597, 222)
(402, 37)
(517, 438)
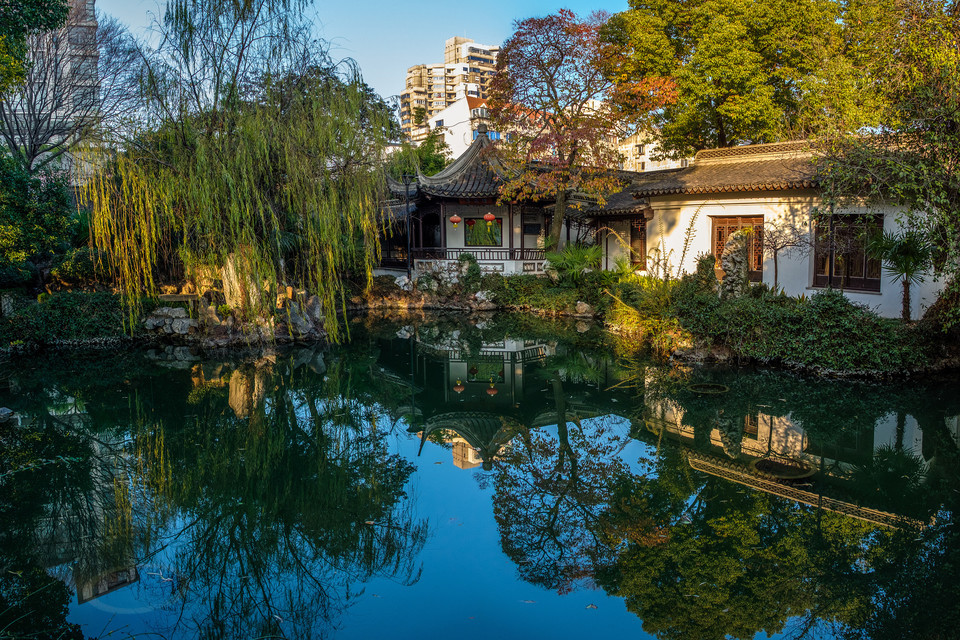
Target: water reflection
(233, 498)
(256, 495)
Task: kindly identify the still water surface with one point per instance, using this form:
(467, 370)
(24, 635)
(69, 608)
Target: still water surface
(504, 477)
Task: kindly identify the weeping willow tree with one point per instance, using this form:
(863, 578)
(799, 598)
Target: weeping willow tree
(254, 155)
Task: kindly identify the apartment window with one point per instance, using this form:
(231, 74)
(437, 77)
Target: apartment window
(438, 124)
(843, 255)
(638, 150)
(723, 226)
(643, 166)
(684, 162)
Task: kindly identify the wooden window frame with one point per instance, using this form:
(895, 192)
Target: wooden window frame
(721, 228)
(856, 271)
(638, 241)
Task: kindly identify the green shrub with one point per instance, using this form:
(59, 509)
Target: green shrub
(77, 267)
(531, 292)
(574, 261)
(471, 279)
(36, 219)
(825, 331)
(65, 316)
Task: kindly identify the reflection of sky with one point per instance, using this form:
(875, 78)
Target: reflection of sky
(469, 588)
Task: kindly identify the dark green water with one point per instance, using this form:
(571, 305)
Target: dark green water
(503, 478)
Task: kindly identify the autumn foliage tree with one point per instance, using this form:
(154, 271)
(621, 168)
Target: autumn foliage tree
(553, 97)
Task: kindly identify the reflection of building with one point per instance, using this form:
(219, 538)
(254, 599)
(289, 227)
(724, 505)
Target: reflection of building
(772, 454)
(477, 437)
(106, 583)
(476, 391)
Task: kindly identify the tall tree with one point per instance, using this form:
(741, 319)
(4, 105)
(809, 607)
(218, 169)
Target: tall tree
(19, 19)
(913, 160)
(254, 152)
(745, 72)
(78, 78)
(553, 99)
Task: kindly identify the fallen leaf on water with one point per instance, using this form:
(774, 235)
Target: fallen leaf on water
(591, 606)
(528, 601)
(437, 463)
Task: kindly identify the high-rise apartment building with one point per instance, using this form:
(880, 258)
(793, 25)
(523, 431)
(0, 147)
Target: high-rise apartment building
(466, 71)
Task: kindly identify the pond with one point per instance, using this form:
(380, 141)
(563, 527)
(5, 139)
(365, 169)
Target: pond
(504, 476)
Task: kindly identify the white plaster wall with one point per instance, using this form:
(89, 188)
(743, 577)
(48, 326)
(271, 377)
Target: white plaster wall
(457, 131)
(674, 215)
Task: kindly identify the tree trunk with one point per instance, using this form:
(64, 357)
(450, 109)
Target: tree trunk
(905, 312)
(776, 273)
(556, 227)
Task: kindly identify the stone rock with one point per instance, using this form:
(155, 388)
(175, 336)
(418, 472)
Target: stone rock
(584, 309)
(297, 319)
(734, 263)
(169, 312)
(152, 323)
(6, 305)
(209, 316)
(582, 326)
(184, 326)
(6, 414)
(314, 310)
(483, 296)
(404, 283)
(240, 292)
(405, 332)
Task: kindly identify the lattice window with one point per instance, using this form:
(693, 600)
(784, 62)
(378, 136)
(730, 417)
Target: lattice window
(844, 253)
(638, 241)
(723, 226)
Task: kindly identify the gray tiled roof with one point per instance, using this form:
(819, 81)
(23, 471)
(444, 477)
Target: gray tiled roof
(772, 167)
(475, 174)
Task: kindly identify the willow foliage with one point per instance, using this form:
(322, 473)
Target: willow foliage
(256, 154)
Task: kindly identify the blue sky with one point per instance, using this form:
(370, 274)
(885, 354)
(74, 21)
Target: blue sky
(385, 37)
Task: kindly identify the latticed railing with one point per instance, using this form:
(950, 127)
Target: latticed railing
(480, 253)
(731, 471)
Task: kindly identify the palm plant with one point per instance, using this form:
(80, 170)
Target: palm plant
(905, 256)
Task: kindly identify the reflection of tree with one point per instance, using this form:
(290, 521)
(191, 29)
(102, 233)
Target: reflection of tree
(920, 589)
(57, 504)
(550, 493)
(739, 562)
(285, 509)
(243, 526)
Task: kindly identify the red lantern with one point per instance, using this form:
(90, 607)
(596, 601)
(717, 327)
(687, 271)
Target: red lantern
(489, 217)
(491, 391)
(471, 222)
(455, 219)
(459, 388)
